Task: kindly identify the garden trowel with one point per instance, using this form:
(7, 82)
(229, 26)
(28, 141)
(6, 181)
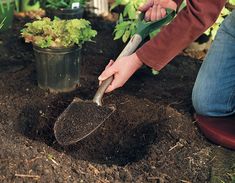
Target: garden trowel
(81, 118)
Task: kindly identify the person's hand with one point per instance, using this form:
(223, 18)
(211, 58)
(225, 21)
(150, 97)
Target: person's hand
(156, 9)
(122, 69)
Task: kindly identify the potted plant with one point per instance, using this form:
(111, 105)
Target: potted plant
(57, 46)
(6, 13)
(65, 9)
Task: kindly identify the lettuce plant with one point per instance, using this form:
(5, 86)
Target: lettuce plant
(46, 33)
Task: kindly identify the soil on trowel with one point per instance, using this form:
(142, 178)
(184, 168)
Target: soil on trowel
(79, 120)
(151, 136)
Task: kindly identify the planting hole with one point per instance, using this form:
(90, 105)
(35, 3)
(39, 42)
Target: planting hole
(123, 138)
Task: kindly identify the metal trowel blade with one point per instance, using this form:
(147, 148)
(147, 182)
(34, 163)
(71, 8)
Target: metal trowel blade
(79, 120)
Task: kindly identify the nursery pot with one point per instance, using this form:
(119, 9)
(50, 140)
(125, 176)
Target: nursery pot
(65, 14)
(7, 13)
(57, 68)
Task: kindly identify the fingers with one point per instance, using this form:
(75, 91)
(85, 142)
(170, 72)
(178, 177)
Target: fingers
(147, 15)
(155, 9)
(117, 83)
(168, 4)
(110, 88)
(146, 6)
(154, 13)
(109, 64)
(163, 12)
(109, 71)
(159, 15)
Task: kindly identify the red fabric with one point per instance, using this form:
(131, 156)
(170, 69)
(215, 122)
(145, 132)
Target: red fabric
(187, 26)
(219, 130)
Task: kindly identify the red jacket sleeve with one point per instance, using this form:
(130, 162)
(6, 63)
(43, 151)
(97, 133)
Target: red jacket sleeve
(187, 26)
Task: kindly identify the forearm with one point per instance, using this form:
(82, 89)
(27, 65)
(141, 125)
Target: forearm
(189, 24)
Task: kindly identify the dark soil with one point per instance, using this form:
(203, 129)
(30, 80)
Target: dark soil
(151, 137)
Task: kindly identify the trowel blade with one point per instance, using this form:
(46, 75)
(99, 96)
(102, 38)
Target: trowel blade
(79, 120)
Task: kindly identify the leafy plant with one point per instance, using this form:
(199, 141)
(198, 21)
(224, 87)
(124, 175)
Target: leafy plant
(126, 26)
(5, 5)
(57, 4)
(127, 23)
(58, 33)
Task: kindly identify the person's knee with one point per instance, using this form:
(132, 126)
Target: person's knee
(227, 26)
(201, 102)
(212, 103)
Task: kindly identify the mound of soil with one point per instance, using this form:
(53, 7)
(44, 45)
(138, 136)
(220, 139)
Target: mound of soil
(151, 136)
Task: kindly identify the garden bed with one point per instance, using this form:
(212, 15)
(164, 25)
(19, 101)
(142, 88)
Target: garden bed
(152, 137)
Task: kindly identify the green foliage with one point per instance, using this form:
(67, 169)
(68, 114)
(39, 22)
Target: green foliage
(232, 2)
(127, 23)
(58, 33)
(130, 7)
(5, 5)
(57, 4)
(126, 26)
(125, 29)
(214, 28)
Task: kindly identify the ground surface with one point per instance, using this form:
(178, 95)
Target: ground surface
(151, 137)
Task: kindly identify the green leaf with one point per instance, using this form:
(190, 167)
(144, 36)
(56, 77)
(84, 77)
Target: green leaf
(126, 9)
(224, 12)
(114, 5)
(126, 36)
(232, 2)
(120, 18)
(214, 31)
(154, 72)
(133, 28)
(208, 32)
(131, 12)
(122, 25)
(119, 34)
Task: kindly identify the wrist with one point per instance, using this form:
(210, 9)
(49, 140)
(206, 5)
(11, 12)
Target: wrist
(136, 59)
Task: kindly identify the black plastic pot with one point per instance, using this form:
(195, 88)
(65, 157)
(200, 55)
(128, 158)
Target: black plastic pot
(58, 68)
(65, 14)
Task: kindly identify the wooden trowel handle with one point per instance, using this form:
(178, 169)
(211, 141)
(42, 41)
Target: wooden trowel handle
(128, 50)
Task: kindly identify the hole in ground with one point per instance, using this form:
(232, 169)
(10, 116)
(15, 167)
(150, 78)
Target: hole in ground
(124, 138)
